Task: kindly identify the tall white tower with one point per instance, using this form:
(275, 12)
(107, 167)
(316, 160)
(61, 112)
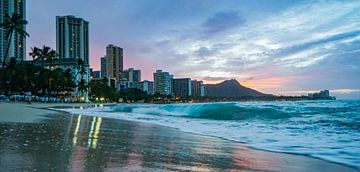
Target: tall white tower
(18, 42)
(72, 38)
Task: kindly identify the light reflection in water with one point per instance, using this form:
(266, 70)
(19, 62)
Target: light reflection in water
(96, 133)
(76, 130)
(91, 131)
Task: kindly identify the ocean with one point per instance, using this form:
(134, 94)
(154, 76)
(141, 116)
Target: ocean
(328, 130)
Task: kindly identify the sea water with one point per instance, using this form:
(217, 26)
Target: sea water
(325, 129)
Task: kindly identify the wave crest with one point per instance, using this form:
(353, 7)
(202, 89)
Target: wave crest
(218, 111)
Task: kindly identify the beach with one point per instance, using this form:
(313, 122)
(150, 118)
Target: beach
(36, 139)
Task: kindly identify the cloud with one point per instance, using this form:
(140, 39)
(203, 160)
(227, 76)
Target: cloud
(345, 91)
(209, 78)
(320, 42)
(203, 52)
(250, 78)
(334, 91)
(307, 46)
(222, 21)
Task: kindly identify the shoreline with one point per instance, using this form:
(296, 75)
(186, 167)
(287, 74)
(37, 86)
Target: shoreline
(46, 109)
(231, 140)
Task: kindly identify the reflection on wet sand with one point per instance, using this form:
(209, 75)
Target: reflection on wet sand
(83, 143)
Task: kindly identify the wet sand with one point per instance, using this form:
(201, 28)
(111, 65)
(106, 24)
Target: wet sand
(53, 141)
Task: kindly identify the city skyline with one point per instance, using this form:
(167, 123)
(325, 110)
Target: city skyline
(316, 47)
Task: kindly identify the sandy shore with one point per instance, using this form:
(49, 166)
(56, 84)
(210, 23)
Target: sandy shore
(33, 139)
(23, 112)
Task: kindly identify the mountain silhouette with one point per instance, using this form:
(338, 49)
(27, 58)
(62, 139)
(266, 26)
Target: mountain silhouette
(231, 89)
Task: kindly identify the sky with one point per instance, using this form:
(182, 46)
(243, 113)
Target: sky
(282, 47)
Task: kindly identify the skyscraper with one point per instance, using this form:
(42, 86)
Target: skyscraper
(18, 42)
(72, 43)
(148, 87)
(197, 88)
(163, 82)
(103, 67)
(132, 75)
(182, 87)
(72, 38)
(137, 76)
(114, 59)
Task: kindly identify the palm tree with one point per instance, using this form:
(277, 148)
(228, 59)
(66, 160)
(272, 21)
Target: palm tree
(58, 81)
(41, 81)
(31, 72)
(51, 57)
(69, 83)
(11, 71)
(35, 53)
(45, 54)
(81, 69)
(11, 24)
(82, 87)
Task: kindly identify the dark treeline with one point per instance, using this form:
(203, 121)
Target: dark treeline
(22, 77)
(41, 76)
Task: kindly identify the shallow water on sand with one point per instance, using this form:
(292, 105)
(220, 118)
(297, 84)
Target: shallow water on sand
(84, 143)
(323, 129)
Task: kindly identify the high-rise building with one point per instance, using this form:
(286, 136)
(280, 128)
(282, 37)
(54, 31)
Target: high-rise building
(137, 75)
(96, 74)
(163, 82)
(123, 85)
(114, 59)
(103, 67)
(132, 75)
(322, 95)
(182, 87)
(197, 88)
(72, 43)
(203, 91)
(148, 86)
(72, 38)
(18, 42)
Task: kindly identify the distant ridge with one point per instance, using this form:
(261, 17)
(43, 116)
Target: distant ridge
(231, 89)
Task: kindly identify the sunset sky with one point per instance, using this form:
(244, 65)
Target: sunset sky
(278, 47)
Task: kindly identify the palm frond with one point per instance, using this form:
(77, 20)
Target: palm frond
(22, 32)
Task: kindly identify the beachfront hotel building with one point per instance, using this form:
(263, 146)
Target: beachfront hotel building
(72, 38)
(182, 87)
(148, 86)
(197, 88)
(163, 83)
(114, 62)
(18, 43)
(103, 66)
(132, 75)
(72, 43)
